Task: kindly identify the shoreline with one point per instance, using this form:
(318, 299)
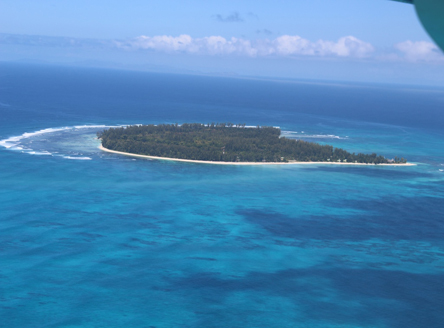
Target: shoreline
(244, 163)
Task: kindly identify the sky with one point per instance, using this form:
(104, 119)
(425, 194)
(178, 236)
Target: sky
(344, 40)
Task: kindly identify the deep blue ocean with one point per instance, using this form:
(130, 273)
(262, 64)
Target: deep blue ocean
(92, 239)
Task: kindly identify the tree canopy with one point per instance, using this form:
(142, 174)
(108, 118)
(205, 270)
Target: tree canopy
(225, 142)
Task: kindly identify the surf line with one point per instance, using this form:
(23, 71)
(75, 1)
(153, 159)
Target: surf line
(14, 141)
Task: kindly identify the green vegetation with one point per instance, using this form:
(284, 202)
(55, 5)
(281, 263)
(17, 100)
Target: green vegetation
(225, 142)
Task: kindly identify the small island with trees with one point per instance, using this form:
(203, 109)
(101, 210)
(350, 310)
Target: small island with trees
(226, 143)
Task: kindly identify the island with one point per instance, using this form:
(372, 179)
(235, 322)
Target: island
(227, 143)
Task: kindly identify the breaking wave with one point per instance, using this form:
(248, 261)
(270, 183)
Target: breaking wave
(46, 142)
(78, 158)
(302, 135)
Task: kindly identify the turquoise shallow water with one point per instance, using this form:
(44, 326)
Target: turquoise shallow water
(90, 239)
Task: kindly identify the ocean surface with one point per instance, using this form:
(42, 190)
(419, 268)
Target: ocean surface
(92, 239)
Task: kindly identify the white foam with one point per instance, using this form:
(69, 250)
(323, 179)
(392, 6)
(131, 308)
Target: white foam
(39, 153)
(91, 126)
(321, 136)
(13, 143)
(78, 158)
(316, 136)
(15, 140)
(7, 143)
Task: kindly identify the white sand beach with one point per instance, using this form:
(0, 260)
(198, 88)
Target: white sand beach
(244, 163)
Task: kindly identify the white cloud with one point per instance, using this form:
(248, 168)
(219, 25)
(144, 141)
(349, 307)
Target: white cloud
(286, 45)
(419, 51)
(348, 46)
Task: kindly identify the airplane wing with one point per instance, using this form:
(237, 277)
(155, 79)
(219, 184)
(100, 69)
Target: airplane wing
(431, 15)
